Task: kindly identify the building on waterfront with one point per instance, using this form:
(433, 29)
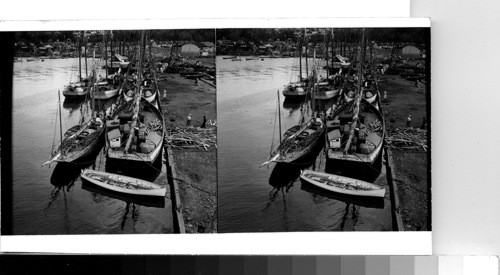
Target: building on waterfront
(208, 46)
(410, 52)
(194, 48)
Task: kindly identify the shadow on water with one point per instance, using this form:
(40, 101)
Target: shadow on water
(357, 170)
(284, 175)
(292, 105)
(72, 105)
(139, 170)
(352, 204)
(65, 175)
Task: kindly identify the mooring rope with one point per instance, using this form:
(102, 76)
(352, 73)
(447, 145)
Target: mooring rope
(179, 179)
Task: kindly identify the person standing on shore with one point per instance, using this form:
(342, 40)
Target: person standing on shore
(203, 125)
(408, 121)
(188, 122)
(424, 124)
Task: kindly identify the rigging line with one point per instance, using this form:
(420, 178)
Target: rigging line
(409, 186)
(274, 131)
(378, 171)
(179, 179)
(55, 130)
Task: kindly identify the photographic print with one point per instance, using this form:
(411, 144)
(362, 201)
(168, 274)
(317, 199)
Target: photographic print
(323, 129)
(114, 132)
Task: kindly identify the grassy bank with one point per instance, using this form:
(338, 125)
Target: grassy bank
(404, 98)
(196, 169)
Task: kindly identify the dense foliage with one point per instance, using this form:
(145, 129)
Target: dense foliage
(380, 35)
(40, 37)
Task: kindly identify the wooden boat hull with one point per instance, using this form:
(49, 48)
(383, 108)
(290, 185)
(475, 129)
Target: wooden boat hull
(75, 91)
(95, 145)
(371, 99)
(326, 95)
(151, 99)
(105, 94)
(152, 113)
(307, 151)
(359, 157)
(347, 98)
(343, 185)
(296, 90)
(123, 184)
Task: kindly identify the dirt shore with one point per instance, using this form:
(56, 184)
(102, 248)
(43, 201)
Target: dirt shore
(196, 169)
(406, 98)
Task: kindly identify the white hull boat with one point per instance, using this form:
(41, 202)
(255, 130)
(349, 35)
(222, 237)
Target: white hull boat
(123, 184)
(344, 185)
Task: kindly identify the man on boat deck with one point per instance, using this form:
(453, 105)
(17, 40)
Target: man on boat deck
(318, 120)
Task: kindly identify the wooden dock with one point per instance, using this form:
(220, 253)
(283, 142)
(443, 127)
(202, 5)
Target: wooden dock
(208, 82)
(179, 226)
(392, 181)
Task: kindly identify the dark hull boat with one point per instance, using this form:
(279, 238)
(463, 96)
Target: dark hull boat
(356, 129)
(365, 130)
(298, 143)
(296, 90)
(144, 139)
(76, 90)
(78, 141)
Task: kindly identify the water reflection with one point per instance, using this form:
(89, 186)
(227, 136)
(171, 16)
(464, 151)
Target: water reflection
(291, 105)
(252, 199)
(65, 175)
(72, 105)
(349, 224)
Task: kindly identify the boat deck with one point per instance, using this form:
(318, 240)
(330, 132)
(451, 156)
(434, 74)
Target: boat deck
(148, 135)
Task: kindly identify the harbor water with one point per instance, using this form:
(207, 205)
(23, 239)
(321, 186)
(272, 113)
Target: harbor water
(274, 199)
(55, 200)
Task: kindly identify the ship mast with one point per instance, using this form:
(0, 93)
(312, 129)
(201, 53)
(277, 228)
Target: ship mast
(300, 58)
(138, 96)
(106, 56)
(307, 44)
(357, 100)
(80, 59)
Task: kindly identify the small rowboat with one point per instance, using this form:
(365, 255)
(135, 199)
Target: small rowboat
(342, 185)
(123, 184)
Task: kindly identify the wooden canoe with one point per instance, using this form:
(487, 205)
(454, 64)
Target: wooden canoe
(123, 184)
(342, 184)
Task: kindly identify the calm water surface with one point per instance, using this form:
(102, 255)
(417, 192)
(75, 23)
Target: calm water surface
(54, 200)
(253, 199)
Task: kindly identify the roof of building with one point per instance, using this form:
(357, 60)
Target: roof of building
(208, 44)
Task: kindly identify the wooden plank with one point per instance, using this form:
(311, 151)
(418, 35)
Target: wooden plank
(177, 199)
(209, 83)
(391, 180)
